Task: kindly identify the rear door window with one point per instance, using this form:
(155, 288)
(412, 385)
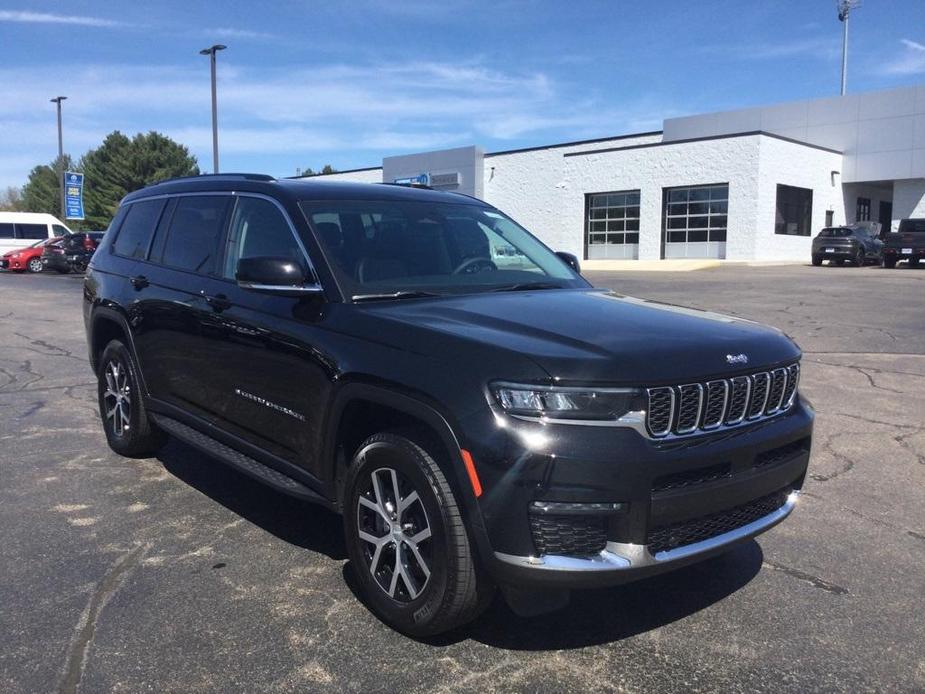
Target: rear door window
(137, 228)
(6, 231)
(32, 231)
(194, 238)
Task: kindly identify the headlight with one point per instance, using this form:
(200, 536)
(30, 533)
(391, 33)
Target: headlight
(578, 403)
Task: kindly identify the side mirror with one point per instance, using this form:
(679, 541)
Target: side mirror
(275, 276)
(569, 260)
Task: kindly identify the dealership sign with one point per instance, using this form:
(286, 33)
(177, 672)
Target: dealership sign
(73, 195)
(421, 179)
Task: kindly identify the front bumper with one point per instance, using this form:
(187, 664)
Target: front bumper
(56, 262)
(625, 472)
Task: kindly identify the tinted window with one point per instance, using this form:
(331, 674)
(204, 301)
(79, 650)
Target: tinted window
(195, 232)
(6, 231)
(794, 211)
(58, 230)
(908, 226)
(258, 229)
(32, 231)
(835, 232)
(135, 232)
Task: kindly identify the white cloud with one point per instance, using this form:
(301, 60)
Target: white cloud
(910, 62)
(231, 33)
(343, 112)
(27, 17)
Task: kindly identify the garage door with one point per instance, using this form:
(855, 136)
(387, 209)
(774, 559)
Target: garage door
(694, 221)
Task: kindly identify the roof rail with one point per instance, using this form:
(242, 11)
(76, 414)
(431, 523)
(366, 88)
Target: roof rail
(223, 176)
(406, 185)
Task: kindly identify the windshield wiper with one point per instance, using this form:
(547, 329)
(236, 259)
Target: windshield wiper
(408, 294)
(529, 285)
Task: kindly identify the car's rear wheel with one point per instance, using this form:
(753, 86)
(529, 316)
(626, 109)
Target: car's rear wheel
(889, 262)
(859, 258)
(817, 260)
(35, 265)
(129, 430)
(407, 542)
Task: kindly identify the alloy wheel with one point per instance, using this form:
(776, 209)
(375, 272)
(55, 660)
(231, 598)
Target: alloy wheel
(117, 398)
(35, 265)
(393, 527)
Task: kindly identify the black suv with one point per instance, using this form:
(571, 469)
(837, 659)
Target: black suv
(477, 426)
(856, 243)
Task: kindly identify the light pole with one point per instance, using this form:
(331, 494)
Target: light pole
(844, 9)
(211, 51)
(57, 100)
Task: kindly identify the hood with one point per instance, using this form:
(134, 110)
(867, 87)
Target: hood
(599, 336)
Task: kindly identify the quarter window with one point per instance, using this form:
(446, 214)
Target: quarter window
(136, 229)
(612, 224)
(794, 211)
(259, 229)
(195, 233)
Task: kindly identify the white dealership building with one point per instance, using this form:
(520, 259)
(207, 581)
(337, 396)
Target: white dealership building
(750, 184)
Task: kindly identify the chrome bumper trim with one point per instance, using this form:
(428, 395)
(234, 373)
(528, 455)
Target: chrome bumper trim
(620, 556)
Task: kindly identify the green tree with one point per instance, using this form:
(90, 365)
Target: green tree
(11, 200)
(328, 169)
(42, 192)
(121, 165)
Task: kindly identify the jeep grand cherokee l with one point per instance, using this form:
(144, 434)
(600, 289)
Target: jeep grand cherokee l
(477, 425)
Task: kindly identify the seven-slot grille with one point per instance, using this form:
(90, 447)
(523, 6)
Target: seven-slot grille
(687, 408)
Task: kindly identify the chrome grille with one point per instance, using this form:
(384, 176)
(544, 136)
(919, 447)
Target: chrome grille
(720, 403)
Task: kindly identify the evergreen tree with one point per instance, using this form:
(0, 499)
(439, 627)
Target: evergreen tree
(42, 192)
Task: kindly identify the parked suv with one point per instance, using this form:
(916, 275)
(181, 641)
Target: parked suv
(856, 243)
(358, 346)
(72, 252)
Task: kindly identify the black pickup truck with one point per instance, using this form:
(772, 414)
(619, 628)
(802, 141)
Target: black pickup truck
(908, 243)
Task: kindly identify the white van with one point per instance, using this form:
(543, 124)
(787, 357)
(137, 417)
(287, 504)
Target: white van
(21, 229)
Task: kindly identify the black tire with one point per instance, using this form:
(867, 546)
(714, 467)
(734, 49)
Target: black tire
(889, 263)
(839, 261)
(64, 271)
(860, 258)
(35, 264)
(817, 260)
(913, 262)
(451, 592)
(129, 430)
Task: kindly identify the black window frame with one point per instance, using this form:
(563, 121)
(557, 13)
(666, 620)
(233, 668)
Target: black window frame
(709, 230)
(589, 205)
(786, 199)
(165, 230)
(862, 210)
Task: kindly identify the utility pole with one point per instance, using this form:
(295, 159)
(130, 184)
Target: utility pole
(60, 164)
(211, 51)
(844, 9)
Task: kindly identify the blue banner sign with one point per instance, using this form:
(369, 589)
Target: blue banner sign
(73, 195)
(422, 179)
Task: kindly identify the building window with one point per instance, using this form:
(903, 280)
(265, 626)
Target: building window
(862, 213)
(612, 224)
(794, 211)
(695, 214)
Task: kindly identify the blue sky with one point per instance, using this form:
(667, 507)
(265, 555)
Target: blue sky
(304, 83)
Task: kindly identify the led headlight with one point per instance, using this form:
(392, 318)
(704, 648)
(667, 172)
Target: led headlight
(575, 403)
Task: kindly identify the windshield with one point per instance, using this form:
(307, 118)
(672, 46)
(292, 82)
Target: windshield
(391, 246)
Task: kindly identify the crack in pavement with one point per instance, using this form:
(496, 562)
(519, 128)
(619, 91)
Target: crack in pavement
(55, 350)
(814, 581)
(861, 370)
(846, 467)
(86, 626)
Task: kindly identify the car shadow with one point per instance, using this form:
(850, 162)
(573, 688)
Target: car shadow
(292, 520)
(601, 616)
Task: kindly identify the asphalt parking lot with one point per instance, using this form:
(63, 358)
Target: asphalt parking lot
(178, 574)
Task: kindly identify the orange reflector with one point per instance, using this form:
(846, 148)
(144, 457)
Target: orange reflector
(473, 475)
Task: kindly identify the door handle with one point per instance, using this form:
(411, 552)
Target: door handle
(139, 281)
(219, 302)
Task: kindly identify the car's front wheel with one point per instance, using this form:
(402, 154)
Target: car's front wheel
(407, 542)
(889, 262)
(35, 265)
(817, 260)
(129, 430)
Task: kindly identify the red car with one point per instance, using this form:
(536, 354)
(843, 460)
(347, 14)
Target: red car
(22, 259)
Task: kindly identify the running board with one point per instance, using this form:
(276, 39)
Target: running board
(249, 466)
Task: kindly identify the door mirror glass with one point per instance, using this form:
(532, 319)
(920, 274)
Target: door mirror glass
(570, 260)
(274, 275)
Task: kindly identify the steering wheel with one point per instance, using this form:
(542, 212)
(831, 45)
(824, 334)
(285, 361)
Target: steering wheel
(473, 265)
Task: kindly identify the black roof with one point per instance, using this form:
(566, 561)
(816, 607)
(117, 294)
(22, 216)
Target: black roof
(300, 189)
